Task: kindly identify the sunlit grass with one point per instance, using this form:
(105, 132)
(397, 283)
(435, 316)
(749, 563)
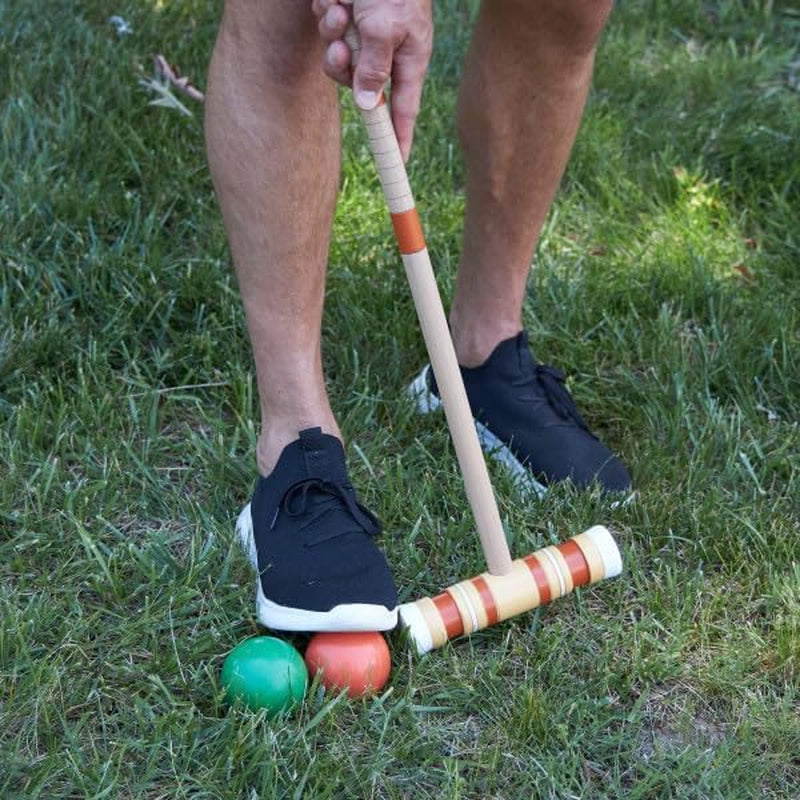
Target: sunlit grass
(665, 285)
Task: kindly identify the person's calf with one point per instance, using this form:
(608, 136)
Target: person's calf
(522, 96)
(272, 128)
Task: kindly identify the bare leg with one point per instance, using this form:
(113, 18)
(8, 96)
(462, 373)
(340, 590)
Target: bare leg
(273, 142)
(522, 96)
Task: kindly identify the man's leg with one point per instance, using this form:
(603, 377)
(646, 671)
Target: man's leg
(273, 145)
(272, 127)
(522, 95)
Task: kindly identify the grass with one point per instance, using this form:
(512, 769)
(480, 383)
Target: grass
(665, 284)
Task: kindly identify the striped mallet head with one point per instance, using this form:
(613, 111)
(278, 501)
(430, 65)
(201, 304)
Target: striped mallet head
(543, 576)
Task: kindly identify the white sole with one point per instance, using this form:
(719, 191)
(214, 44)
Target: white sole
(427, 402)
(345, 617)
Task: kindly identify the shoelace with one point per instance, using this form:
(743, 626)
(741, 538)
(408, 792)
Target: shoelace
(551, 381)
(296, 503)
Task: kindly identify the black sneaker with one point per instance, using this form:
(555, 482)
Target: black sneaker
(527, 420)
(312, 544)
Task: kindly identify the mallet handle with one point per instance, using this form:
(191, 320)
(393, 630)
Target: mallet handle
(435, 331)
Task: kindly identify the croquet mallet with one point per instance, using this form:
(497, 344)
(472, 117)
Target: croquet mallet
(508, 587)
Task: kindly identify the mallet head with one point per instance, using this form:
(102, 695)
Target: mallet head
(543, 576)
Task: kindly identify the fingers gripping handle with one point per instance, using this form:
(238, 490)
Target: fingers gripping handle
(396, 188)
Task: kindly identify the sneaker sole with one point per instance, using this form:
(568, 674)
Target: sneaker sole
(495, 448)
(345, 617)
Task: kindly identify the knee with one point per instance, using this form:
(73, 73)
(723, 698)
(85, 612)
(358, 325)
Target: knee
(271, 42)
(575, 25)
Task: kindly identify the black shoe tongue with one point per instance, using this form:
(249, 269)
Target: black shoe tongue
(521, 351)
(313, 455)
(323, 455)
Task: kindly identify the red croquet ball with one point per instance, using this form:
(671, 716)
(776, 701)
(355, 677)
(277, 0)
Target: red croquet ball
(358, 662)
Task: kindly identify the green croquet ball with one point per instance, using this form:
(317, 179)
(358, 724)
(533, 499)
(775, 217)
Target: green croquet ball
(265, 672)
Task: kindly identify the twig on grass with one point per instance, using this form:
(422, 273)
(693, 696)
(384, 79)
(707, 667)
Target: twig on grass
(166, 77)
(181, 82)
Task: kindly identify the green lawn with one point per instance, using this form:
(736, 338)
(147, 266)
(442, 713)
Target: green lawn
(666, 284)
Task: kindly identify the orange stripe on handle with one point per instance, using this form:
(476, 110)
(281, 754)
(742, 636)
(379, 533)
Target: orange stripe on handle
(451, 617)
(408, 231)
(576, 562)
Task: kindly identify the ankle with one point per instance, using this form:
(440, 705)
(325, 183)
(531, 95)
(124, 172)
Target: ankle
(276, 434)
(475, 343)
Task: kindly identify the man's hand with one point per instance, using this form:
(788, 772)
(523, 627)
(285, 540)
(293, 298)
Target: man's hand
(396, 41)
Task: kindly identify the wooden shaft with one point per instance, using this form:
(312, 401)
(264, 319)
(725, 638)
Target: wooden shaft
(435, 330)
(543, 576)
